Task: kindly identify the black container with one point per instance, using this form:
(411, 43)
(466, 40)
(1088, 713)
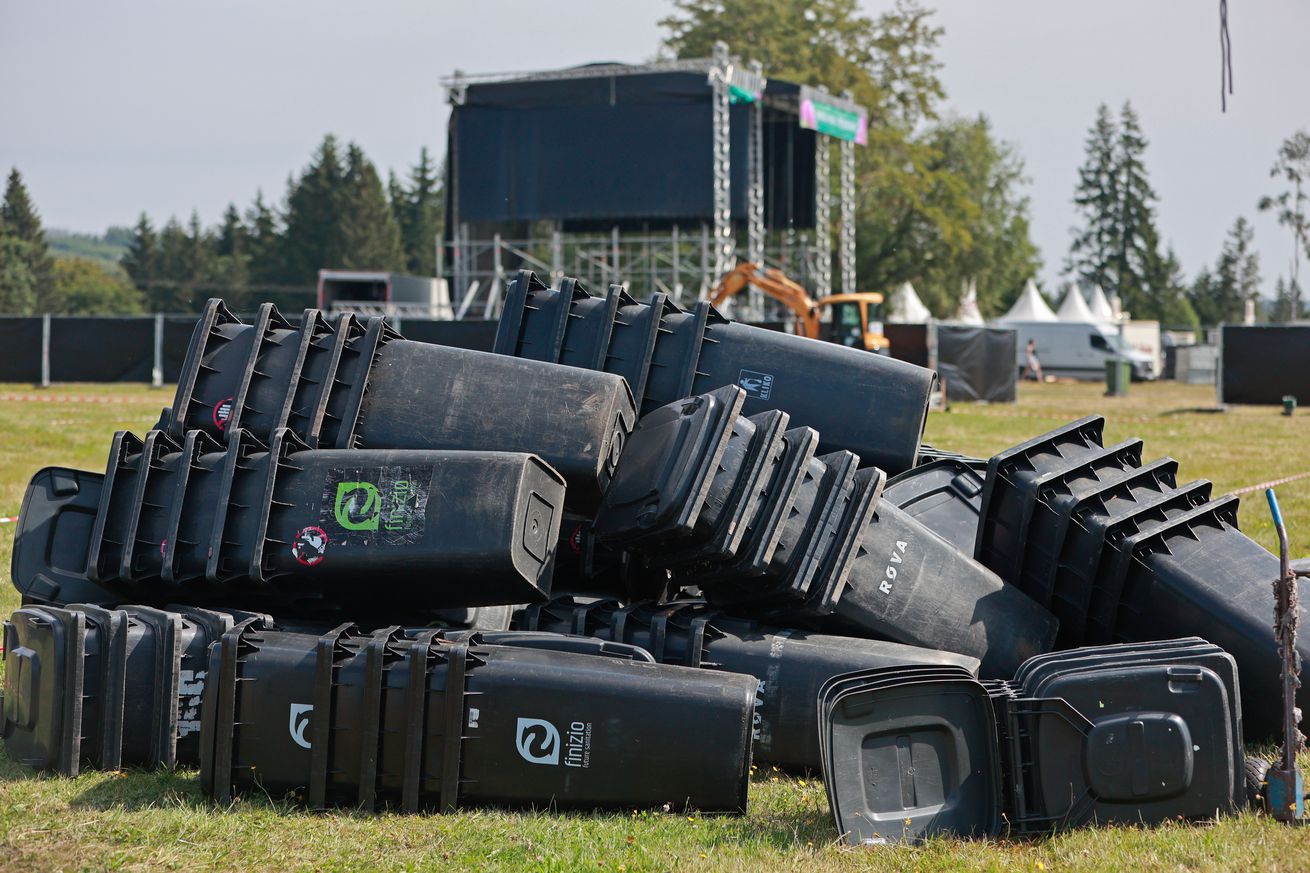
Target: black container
(1121, 538)
(1138, 737)
(1084, 540)
(789, 664)
(275, 380)
(945, 496)
(233, 523)
(52, 539)
(813, 525)
(107, 688)
(114, 516)
(782, 478)
(156, 480)
(421, 396)
(1052, 498)
(1200, 575)
(878, 410)
(632, 340)
(211, 372)
(677, 350)
(1002, 524)
(541, 336)
(333, 517)
(910, 585)
(192, 509)
(44, 673)
(344, 718)
(879, 415)
(735, 494)
(661, 483)
(590, 325)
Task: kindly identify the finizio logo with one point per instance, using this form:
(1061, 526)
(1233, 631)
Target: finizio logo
(537, 741)
(358, 506)
(298, 722)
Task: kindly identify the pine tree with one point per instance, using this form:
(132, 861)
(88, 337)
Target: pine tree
(1092, 253)
(1287, 300)
(265, 242)
(418, 207)
(232, 237)
(17, 284)
(1166, 298)
(142, 258)
(312, 239)
(370, 238)
(1220, 295)
(24, 223)
(1137, 241)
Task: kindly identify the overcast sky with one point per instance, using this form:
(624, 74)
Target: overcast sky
(111, 108)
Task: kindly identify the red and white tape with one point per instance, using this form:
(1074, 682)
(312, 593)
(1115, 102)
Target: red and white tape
(8, 519)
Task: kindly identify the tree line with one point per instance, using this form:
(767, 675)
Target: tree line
(336, 213)
(1118, 245)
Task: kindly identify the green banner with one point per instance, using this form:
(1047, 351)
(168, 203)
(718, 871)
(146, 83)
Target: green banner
(833, 116)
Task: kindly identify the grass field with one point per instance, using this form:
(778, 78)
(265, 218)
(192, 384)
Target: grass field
(150, 821)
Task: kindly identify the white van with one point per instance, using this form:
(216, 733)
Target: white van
(1078, 349)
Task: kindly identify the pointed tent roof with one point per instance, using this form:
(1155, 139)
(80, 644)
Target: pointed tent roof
(968, 312)
(1074, 308)
(1031, 306)
(1099, 304)
(906, 307)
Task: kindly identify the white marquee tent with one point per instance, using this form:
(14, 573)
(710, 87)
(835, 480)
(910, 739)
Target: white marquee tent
(905, 307)
(968, 312)
(1099, 304)
(1031, 306)
(1074, 308)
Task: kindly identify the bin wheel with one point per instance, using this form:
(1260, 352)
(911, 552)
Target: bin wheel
(1256, 770)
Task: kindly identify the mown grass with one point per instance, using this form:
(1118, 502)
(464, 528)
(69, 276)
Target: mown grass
(148, 821)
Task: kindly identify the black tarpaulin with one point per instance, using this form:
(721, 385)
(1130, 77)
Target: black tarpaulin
(977, 363)
(1261, 364)
(618, 150)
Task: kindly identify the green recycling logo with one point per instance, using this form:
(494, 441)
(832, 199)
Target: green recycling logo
(358, 506)
(374, 505)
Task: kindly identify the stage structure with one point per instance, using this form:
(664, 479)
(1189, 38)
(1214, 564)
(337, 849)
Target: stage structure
(659, 176)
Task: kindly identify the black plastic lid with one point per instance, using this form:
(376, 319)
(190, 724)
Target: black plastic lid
(667, 468)
(914, 760)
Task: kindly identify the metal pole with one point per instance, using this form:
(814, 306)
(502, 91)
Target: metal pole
(822, 217)
(677, 263)
(755, 193)
(45, 350)
(614, 254)
(157, 371)
(705, 279)
(846, 248)
(556, 255)
(720, 83)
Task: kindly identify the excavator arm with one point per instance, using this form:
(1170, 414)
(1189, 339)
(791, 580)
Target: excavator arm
(774, 283)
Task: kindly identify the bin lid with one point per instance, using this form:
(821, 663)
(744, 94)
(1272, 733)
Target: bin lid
(914, 759)
(668, 465)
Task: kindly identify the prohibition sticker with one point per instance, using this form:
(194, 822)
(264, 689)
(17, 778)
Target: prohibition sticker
(310, 545)
(222, 412)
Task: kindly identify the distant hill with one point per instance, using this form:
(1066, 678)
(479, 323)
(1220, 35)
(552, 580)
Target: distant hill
(106, 249)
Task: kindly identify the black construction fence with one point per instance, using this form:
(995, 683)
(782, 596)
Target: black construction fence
(46, 349)
(1263, 363)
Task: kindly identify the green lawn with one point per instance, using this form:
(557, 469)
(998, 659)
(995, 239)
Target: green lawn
(153, 821)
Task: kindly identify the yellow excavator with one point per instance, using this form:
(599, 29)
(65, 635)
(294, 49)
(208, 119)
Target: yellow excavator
(856, 319)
